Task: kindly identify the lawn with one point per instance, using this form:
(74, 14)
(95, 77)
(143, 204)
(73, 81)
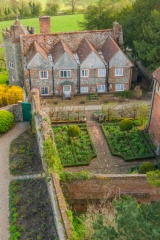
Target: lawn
(62, 23)
(130, 145)
(77, 152)
(31, 215)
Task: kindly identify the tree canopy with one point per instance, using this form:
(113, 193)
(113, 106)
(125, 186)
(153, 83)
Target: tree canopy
(132, 221)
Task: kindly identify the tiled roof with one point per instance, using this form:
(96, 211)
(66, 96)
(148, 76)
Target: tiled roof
(84, 49)
(34, 49)
(156, 74)
(109, 49)
(59, 49)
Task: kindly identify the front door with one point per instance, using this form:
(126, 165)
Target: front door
(67, 91)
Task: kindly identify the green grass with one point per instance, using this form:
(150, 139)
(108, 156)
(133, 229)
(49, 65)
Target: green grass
(3, 77)
(64, 23)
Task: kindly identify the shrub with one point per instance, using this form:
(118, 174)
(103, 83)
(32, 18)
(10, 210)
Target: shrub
(73, 131)
(146, 167)
(10, 94)
(6, 120)
(126, 124)
(124, 94)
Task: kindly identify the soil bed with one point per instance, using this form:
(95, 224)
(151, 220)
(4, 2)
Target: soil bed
(31, 214)
(24, 155)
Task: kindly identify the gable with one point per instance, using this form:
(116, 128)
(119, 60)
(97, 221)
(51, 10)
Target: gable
(120, 60)
(38, 62)
(92, 61)
(65, 62)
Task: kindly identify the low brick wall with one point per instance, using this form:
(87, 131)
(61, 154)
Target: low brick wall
(16, 109)
(104, 186)
(43, 131)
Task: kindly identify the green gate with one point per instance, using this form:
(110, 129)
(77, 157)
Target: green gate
(26, 110)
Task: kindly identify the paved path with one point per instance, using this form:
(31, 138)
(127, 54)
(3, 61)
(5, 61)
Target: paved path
(5, 177)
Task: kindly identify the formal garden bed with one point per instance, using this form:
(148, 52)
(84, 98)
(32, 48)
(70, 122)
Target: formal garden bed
(74, 152)
(24, 155)
(31, 214)
(130, 145)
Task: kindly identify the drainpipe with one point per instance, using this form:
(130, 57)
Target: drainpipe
(107, 76)
(53, 79)
(30, 84)
(152, 101)
(79, 78)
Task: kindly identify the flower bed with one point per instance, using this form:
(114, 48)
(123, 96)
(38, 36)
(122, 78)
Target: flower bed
(129, 145)
(31, 214)
(77, 152)
(24, 155)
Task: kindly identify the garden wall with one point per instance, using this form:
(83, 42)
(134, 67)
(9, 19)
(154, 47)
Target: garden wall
(16, 109)
(43, 131)
(104, 186)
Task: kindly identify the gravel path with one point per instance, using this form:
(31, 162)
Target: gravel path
(5, 177)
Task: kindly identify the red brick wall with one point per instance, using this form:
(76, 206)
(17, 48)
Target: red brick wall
(154, 128)
(81, 192)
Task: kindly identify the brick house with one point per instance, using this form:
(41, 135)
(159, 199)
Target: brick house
(154, 123)
(67, 63)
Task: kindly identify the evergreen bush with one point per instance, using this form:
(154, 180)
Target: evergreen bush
(73, 131)
(146, 167)
(126, 124)
(6, 120)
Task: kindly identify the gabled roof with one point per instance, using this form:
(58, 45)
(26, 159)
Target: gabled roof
(109, 49)
(156, 74)
(21, 28)
(59, 49)
(84, 49)
(36, 48)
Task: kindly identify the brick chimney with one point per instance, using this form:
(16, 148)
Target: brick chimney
(44, 22)
(117, 31)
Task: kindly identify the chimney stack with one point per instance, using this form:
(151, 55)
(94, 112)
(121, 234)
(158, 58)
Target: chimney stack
(44, 22)
(118, 33)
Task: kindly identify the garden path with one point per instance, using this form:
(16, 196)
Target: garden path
(105, 161)
(5, 176)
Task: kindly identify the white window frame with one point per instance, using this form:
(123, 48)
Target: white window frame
(101, 88)
(118, 71)
(11, 65)
(101, 72)
(119, 87)
(43, 74)
(13, 78)
(65, 73)
(45, 88)
(84, 72)
(84, 89)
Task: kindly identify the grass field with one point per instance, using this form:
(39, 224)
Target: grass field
(62, 23)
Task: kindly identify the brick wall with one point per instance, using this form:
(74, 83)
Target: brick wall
(154, 128)
(103, 187)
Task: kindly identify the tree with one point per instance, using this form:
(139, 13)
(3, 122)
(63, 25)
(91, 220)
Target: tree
(51, 8)
(98, 16)
(153, 178)
(72, 4)
(132, 221)
(35, 8)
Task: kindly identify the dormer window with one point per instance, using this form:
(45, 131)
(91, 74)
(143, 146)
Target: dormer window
(119, 72)
(84, 73)
(11, 65)
(43, 74)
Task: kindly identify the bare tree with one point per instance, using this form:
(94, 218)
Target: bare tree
(72, 4)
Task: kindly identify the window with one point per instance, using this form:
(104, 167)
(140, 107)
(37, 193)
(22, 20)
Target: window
(101, 88)
(84, 73)
(44, 74)
(84, 89)
(119, 87)
(13, 79)
(65, 73)
(44, 91)
(101, 72)
(119, 72)
(11, 65)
